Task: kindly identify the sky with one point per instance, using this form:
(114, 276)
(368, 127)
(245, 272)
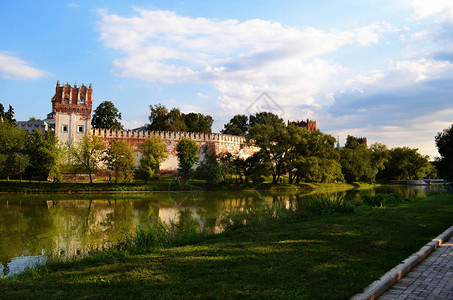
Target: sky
(376, 69)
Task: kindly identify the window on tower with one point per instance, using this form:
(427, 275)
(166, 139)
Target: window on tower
(64, 128)
(82, 99)
(80, 128)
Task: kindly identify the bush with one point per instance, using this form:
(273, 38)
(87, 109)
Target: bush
(382, 200)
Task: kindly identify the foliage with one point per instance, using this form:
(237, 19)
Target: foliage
(2, 113)
(406, 164)
(88, 154)
(444, 144)
(383, 200)
(9, 115)
(106, 115)
(210, 169)
(13, 158)
(163, 120)
(357, 164)
(274, 139)
(314, 158)
(120, 159)
(153, 154)
(156, 234)
(197, 122)
(188, 154)
(265, 118)
(238, 125)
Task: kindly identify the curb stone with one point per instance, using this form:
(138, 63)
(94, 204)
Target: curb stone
(375, 289)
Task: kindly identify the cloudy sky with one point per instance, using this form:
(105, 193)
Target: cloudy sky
(379, 69)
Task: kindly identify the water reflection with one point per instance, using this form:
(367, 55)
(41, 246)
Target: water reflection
(33, 227)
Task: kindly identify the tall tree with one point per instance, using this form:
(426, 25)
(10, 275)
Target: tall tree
(444, 144)
(9, 115)
(238, 125)
(275, 140)
(158, 118)
(188, 154)
(120, 159)
(197, 122)
(45, 155)
(265, 118)
(106, 115)
(315, 158)
(2, 113)
(406, 164)
(13, 158)
(87, 154)
(153, 154)
(175, 121)
(356, 164)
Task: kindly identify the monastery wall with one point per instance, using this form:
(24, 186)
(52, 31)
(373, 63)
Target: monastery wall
(209, 143)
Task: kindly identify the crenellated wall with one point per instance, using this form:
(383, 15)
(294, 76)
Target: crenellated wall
(208, 142)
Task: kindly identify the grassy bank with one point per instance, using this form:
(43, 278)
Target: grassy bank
(331, 256)
(165, 184)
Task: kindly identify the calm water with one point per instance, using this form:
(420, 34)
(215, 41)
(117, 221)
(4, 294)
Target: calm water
(36, 227)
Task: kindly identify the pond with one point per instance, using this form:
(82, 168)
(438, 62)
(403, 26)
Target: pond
(35, 227)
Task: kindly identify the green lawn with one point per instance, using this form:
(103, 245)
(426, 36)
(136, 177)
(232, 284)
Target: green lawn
(325, 257)
(165, 184)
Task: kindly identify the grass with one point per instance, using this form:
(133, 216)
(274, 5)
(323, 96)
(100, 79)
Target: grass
(165, 184)
(329, 256)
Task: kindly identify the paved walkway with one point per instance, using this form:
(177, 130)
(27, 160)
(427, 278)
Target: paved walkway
(431, 279)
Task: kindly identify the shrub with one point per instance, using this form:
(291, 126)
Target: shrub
(382, 200)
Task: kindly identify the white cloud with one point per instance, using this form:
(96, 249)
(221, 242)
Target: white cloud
(441, 9)
(73, 5)
(203, 96)
(403, 73)
(12, 67)
(240, 59)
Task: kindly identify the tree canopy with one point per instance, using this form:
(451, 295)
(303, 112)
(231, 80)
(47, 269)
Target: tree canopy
(107, 116)
(153, 154)
(238, 125)
(188, 154)
(120, 159)
(164, 120)
(444, 143)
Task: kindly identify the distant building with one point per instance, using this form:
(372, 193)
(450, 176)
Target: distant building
(309, 125)
(71, 107)
(71, 113)
(362, 141)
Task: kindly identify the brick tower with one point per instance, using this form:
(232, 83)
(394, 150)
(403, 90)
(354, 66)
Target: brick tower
(71, 109)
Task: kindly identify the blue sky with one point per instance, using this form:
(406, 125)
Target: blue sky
(379, 69)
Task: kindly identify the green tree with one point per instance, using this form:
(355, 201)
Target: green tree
(120, 159)
(315, 158)
(45, 155)
(13, 157)
(175, 121)
(9, 115)
(444, 144)
(158, 118)
(197, 122)
(238, 125)
(210, 169)
(87, 155)
(406, 164)
(265, 118)
(275, 140)
(351, 142)
(107, 116)
(2, 113)
(357, 165)
(153, 154)
(188, 154)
